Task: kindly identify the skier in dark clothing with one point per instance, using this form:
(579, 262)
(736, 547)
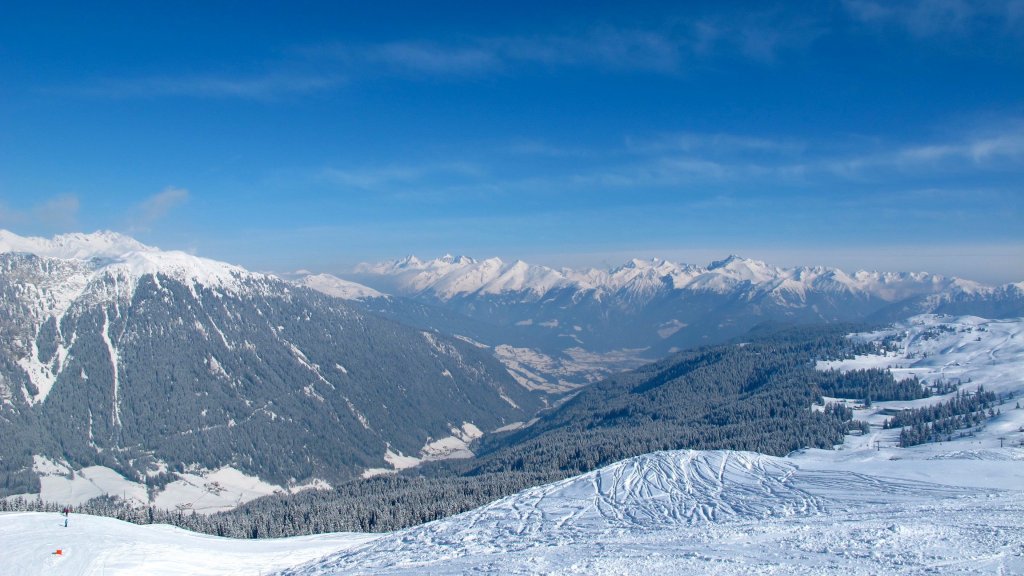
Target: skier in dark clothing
(67, 510)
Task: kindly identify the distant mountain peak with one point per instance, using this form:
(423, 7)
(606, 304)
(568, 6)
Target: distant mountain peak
(735, 260)
(121, 255)
(75, 245)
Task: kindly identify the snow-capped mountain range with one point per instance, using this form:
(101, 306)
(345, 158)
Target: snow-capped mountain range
(639, 281)
(648, 308)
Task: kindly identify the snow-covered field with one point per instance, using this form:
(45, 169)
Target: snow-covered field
(866, 508)
(94, 546)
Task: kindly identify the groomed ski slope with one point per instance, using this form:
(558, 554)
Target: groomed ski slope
(95, 546)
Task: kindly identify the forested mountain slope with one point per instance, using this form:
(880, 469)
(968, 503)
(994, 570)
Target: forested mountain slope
(157, 363)
(754, 395)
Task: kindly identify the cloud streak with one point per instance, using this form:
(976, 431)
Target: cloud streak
(385, 177)
(269, 86)
(668, 50)
(926, 18)
(145, 214)
(58, 213)
(704, 164)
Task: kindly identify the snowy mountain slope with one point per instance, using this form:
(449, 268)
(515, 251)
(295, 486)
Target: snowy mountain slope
(968, 351)
(158, 364)
(691, 512)
(975, 351)
(334, 286)
(668, 513)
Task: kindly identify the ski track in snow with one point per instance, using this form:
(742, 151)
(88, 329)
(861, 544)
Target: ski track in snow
(723, 512)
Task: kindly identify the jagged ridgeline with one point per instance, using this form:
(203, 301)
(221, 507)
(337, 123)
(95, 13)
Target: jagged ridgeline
(753, 395)
(162, 370)
(661, 306)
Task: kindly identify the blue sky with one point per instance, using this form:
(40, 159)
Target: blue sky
(293, 135)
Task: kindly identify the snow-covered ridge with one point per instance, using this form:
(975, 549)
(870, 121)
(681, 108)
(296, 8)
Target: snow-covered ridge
(449, 277)
(338, 288)
(78, 246)
(121, 256)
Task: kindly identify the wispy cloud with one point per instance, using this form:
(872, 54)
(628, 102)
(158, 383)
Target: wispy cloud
(668, 50)
(432, 58)
(10, 217)
(713, 143)
(939, 17)
(724, 161)
(268, 86)
(699, 165)
(385, 177)
(606, 48)
(143, 215)
(760, 35)
(989, 150)
(58, 213)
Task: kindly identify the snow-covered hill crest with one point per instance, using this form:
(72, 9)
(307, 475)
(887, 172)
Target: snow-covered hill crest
(694, 512)
(117, 255)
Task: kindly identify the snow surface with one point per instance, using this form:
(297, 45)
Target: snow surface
(94, 546)
(723, 512)
(451, 447)
(334, 286)
(120, 257)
